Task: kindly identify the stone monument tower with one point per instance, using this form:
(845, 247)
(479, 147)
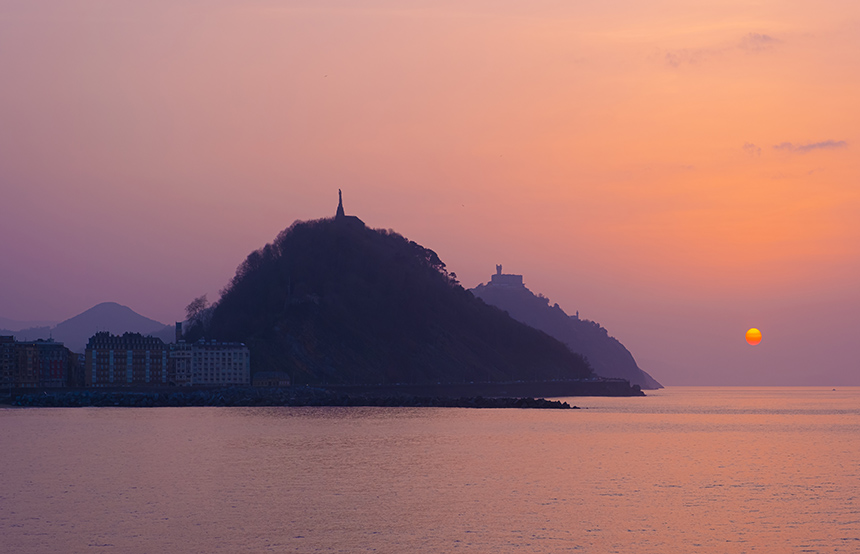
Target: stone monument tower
(339, 213)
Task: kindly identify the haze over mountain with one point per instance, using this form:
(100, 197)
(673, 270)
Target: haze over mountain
(607, 356)
(10, 325)
(107, 316)
(332, 301)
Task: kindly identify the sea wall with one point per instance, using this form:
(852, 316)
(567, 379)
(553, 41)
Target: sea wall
(534, 389)
(287, 396)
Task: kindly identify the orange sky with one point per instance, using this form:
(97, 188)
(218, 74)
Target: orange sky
(678, 173)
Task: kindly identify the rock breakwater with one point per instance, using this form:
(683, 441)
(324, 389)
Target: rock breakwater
(288, 396)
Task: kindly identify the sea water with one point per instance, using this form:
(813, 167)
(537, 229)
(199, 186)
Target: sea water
(711, 470)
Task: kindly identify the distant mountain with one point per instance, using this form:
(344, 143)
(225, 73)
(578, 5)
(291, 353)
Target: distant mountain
(107, 316)
(334, 302)
(606, 354)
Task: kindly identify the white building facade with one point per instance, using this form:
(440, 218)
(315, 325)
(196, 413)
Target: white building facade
(211, 363)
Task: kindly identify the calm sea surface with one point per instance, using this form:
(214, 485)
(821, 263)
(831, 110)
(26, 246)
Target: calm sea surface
(725, 470)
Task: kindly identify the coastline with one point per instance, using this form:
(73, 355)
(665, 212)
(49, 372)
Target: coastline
(519, 394)
(260, 396)
(535, 389)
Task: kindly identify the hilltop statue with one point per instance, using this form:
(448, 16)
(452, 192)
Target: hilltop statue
(339, 213)
(341, 216)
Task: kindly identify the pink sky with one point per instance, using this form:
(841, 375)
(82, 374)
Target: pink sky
(678, 173)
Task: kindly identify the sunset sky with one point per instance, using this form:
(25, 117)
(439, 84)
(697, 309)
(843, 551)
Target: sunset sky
(677, 171)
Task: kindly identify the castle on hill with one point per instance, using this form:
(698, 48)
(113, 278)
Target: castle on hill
(506, 279)
(511, 282)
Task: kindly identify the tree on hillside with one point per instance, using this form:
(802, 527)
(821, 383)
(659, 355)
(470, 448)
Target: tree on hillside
(197, 314)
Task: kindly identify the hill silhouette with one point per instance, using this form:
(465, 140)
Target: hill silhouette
(607, 356)
(107, 316)
(333, 302)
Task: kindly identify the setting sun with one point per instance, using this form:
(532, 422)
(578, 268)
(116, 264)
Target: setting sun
(753, 336)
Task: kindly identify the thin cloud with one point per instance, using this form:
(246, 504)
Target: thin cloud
(751, 149)
(756, 42)
(804, 148)
(749, 43)
(688, 56)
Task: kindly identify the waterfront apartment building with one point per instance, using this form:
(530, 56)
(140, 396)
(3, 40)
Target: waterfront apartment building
(26, 362)
(133, 360)
(32, 364)
(127, 360)
(7, 359)
(55, 363)
(211, 363)
(181, 355)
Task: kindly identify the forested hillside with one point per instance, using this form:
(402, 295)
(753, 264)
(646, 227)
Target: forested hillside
(332, 301)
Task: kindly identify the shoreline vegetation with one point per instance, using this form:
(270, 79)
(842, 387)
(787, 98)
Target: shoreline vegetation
(260, 397)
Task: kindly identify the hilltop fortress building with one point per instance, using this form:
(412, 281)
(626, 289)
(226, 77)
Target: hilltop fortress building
(506, 279)
(509, 281)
